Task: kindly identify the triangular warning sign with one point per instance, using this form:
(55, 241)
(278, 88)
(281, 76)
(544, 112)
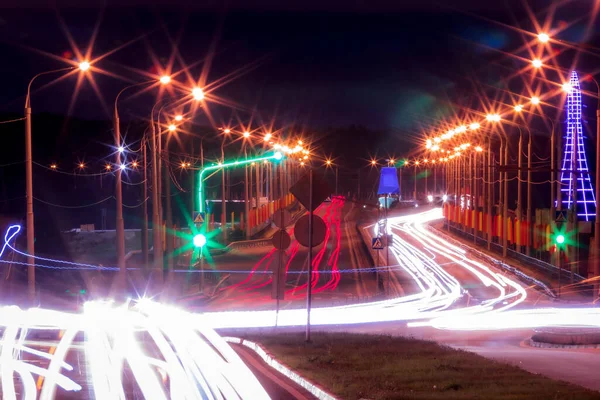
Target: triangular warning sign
(561, 216)
(199, 219)
(377, 243)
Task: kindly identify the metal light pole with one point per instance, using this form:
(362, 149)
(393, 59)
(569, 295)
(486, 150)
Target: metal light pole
(310, 234)
(596, 261)
(29, 185)
(505, 208)
(529, 197)
(157, 253)
(519, 176)
(145, 206)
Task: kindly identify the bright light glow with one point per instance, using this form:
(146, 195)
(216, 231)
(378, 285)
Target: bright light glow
(430, 198)
(416, 163)
(435, 147)
(474, 126)
(373, 162)
(198, 93)
(478, 149)
(461, 129)
(121, 149)
(428, 144)
(84, 66)
(246, 134)
(178, 117)
(560, 239)
(172, 127)
(302, 163)
(328, 162)
(278, 155)
(165, 79)
(108, 167)
(122, 167)
(305, 157)
(493, 117)
(267, 137)
(227, 131)
(518, 108)
(182, 165)
(53, 166)
(537, 63)
(445, 197)
(199, 240)
(543, 37)
(300, 142)
(567, 87)
(81, 165)
(134, 164)
(535, 100)
(392, 161)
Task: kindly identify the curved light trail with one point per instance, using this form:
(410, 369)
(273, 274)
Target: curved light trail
(167, 353)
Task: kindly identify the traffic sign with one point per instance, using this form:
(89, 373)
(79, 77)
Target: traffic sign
(281, 240)
(198, 217)
(282, 218)
(301, 230)
(301, 190)
(560, 216)
(377, 243)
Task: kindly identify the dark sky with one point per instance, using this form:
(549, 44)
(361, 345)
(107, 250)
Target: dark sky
(394, 67)
(380, 64)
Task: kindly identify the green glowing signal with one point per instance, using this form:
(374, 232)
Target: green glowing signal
(237, 163)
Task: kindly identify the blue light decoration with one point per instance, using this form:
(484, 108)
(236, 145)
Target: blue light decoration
(388, 184)
(586, 202)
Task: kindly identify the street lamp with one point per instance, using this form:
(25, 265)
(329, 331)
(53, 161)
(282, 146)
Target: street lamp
(178, 118)
(120, 225)
(165, 79)
(535, 100)
(83, 66)
(543, 37)
(246, 134)
(537, 63)
(198, 93)
(172, 128)
(518, 108)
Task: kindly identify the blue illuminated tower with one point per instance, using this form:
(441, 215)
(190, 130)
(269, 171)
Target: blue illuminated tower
(586, 203)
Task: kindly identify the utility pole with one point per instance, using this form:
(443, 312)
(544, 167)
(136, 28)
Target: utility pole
(120, 225)
(223, 200)
(145, 205)
(169, 216)
(505, 201)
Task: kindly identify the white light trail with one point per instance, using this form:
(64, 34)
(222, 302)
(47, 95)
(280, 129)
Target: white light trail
(184, 360)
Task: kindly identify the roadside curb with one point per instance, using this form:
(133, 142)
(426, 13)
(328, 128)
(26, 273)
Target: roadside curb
(284, 370)
(544, 345)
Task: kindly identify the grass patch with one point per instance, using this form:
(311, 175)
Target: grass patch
(354, 366)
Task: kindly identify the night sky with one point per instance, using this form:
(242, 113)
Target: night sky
(364, 79)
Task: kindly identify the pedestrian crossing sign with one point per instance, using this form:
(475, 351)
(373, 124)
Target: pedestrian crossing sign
(377, 244)
(561, 216)
(198, 218)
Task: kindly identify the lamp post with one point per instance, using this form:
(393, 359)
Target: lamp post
(83, 66)
(120, 226)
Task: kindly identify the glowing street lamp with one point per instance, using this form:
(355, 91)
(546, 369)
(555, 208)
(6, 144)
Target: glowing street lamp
(178, 117)
(121, 149)
(84, 66)
(227, 131)
(535, 100)
(108, 167)
(53, 166)
(246, 134)
(493, 117)
(543, 37)
(373, 162)
(518, 108)
(567, 87)
(122, 167)
(267, 137)
(165, 79)
(537, 63)
(172, 127)
(198, 93)
(474, 126)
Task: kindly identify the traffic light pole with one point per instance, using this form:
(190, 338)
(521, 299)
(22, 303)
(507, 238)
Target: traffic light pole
(310, 234)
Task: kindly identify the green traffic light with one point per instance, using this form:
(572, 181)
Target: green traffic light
(199, 240)
(560, 239)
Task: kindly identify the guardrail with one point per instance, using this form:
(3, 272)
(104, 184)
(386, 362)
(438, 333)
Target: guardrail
(531, 261)
(496, 262)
